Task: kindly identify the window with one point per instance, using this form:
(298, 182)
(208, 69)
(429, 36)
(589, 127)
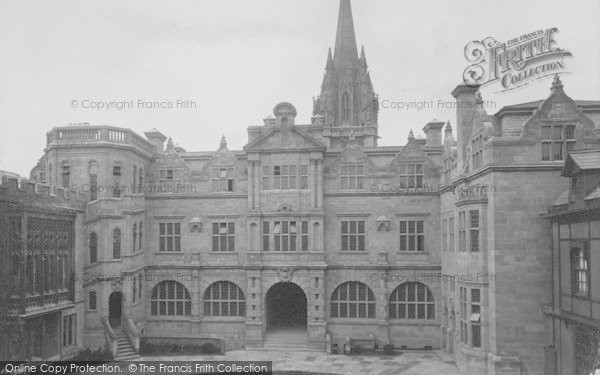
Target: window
(412, 236)
(140, 286)
(557, 141)
(577, 187)
(411, 176)
(117, 178)
(66, 175)
(170, 298)
(93, 248)
(224, 298)
(475, 318)
(141, 180)
(169, 237)
(463, 315)
(353, 300)
(222, 179)
(50, 174)
(69, 330)
(223, 236)
(285, 235)
(284, 177)
(134, 287)
(345, 108)
(170, 174)
(474, 229)
(580, 269)
(447, 169)
(265, 177)
(116, 243)
(93, 181)
(304, 228)
(412, 300)
(353, 235)
(140, 236)
(266, 236)
(462, 232)
(304, 177)
(352, 177)
(444, 235)
(477, 151)
(134, 236)
(92, 300)
(451, 234)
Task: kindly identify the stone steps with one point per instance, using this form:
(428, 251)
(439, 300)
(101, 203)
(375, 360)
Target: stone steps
(125, 351)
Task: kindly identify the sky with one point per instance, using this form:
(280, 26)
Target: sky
(236, 59)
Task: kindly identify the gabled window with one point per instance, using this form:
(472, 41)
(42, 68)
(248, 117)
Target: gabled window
(557, 141)
(352, 176)
(222, 179)
(411, 176)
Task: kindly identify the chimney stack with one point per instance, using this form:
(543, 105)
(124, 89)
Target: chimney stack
(433, 133)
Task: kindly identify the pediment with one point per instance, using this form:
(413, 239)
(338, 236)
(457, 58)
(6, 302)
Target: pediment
(351, 154)
(285, 138)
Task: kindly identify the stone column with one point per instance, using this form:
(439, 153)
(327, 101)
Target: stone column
(312, 171)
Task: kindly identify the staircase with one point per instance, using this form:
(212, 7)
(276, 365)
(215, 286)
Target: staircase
(125, 351)
(286, 340)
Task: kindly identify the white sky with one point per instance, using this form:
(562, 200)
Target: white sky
(238, 58)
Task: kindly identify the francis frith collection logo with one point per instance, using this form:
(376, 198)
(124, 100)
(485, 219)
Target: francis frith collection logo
(514, 63)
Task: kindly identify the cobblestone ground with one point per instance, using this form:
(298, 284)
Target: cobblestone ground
(406, 363)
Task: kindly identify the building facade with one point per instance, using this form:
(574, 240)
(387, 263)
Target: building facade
(575, 309)
(314, 228)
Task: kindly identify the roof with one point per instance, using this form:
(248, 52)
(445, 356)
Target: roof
(587, 159)
(531, 106)
(593, 195)
(562, 199)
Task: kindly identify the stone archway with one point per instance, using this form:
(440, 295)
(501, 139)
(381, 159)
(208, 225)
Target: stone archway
(286, 307)
(115, 309)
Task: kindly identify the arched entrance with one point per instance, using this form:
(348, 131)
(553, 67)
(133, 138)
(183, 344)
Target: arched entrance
(286, 307)
(115, 309)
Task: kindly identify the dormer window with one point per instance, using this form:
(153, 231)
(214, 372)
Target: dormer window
(557, 141)
(577, 187)
(222, 179)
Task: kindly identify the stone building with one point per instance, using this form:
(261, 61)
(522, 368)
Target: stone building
(39, 302)
(575, 308)
(315, 236)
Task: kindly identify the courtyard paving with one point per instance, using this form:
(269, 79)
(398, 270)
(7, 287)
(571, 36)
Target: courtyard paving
(405, 363)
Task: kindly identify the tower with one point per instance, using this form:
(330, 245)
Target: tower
(347, 102)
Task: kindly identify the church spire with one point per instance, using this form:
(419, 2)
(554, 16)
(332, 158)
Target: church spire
(345, 53)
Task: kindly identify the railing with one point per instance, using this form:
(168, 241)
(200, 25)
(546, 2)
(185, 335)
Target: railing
(110, 339)
(99, 133)
(132, 333)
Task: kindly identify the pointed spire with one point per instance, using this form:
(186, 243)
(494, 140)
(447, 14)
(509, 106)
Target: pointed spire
(556, 83)
(363, 57)
(223, 145)
(411, 135)
(329, 64)
(345, 54)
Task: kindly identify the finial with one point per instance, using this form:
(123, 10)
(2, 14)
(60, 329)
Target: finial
(223, 145)
(170, 147)
(411, 135)
(448, 128)
(478, 97)
(557, 83)
(329, 64)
